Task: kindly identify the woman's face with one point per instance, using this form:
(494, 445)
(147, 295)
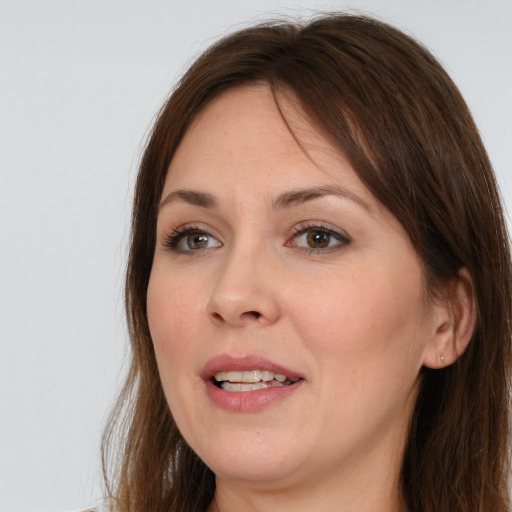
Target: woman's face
(276, 261)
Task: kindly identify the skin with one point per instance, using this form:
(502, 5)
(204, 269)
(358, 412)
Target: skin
(351, 318)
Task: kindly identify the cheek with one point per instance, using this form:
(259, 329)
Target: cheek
(368, 341)
(377, 305)
(366, 328)
(173, 323)
(173, 331)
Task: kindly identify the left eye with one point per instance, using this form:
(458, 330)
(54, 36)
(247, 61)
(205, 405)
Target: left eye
(318, 238)
(190, 240)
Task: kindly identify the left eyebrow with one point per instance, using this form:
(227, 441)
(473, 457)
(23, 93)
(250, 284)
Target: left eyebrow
(193, 197)
(297, 197)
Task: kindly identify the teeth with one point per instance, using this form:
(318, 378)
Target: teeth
(252, 377)
(234, 376)
(232, 386)
(266, 376)
(221, 376)
(238, 386)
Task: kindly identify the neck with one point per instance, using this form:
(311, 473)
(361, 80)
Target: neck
(234, 501)
(359, 492)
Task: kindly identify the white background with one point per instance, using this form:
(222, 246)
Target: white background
(80, 82)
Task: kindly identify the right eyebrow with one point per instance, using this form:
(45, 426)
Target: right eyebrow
(191, 197)
(301, 196)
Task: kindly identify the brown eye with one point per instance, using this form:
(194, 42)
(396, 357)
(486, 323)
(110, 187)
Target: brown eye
(197, 241)
(318, 239)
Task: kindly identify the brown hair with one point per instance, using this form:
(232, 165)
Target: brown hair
(389, 106)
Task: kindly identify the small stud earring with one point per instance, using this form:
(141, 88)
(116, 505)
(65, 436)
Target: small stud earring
(442, 359)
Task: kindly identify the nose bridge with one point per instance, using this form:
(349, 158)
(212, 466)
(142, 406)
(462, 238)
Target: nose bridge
(244, 291)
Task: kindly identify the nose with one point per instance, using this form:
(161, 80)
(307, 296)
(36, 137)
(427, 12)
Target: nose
(245, 291)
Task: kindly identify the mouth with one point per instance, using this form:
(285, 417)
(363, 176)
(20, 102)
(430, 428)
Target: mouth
(250, 380)
(249, 383)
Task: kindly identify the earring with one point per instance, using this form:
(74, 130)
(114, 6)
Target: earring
(442, 358)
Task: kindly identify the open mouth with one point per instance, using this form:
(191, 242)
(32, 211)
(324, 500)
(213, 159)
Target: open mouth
(251, 380)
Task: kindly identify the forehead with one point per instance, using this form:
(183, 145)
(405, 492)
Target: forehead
(245, 136)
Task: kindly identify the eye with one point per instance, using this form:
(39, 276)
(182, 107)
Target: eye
(318, 238)
(189, 239)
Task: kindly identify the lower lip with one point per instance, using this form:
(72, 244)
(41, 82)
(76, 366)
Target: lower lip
(247, 401)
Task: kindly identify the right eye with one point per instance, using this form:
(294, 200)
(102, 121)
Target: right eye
(190, 239)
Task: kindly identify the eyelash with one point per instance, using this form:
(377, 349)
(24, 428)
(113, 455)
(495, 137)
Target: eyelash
(173, 240)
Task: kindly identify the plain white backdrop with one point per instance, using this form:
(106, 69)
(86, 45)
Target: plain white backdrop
(80, 82)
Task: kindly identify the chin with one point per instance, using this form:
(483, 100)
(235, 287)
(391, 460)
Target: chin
(257, 471)
(252, 456)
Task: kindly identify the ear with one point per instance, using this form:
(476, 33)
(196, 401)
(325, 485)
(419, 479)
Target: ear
(452, 322)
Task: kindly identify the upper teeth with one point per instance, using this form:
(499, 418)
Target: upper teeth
(250, 376)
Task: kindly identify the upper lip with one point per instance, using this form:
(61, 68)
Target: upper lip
(227, 362)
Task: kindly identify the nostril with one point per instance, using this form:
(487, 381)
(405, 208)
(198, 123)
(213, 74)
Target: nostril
(246, 316)
(254, 314)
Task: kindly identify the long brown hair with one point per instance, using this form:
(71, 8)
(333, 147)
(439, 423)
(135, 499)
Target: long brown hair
(389, 106)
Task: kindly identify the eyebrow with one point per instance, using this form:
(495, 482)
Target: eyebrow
(285, 200)
(191, 197)
(296, 197)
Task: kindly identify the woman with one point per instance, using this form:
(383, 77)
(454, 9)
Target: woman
(318, 290)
